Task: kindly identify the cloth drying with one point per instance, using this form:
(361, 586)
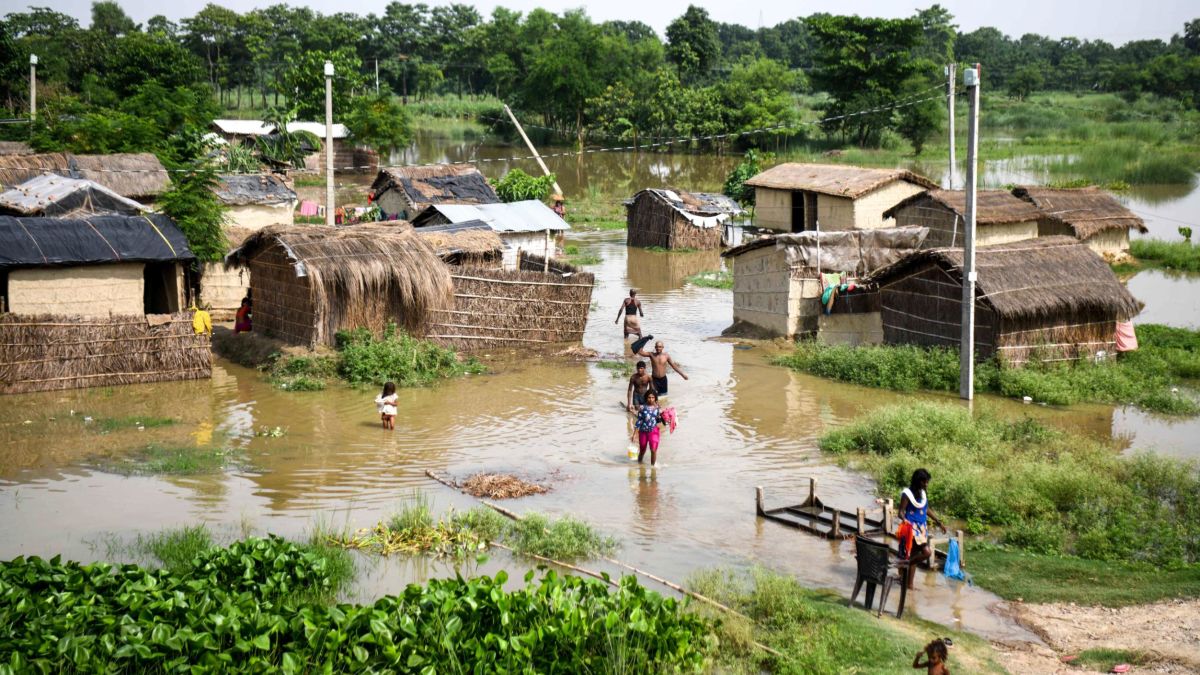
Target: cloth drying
(668, 416)
(308, 208)
(1126, 337)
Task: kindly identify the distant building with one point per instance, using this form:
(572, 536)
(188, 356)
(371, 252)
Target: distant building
(347, 157)
(54, 196)
(999, 217)
(471, 243)
(138, 176)
(403, 192)
(676, 219)
(1090, 215)
(796, 197)
(529, 226)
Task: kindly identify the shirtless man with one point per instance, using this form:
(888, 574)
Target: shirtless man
(631, 307)
(639, 384)
(659, 361)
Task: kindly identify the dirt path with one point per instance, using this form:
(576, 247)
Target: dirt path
(1170, 630)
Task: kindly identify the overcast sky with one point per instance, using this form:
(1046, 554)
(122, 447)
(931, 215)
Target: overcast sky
(1117, 21)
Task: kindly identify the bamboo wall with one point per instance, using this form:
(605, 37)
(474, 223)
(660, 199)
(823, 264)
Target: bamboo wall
(925, 308)
(1021, 343)
(46, 352)
(509, 308)
(284, 307)
(650, 221)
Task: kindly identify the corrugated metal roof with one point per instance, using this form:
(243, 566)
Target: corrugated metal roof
(259, 128)
(49, 194)
(526, 216)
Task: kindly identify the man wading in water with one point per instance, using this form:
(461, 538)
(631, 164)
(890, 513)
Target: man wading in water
(631, 307)
(659, 361)
(639, 385)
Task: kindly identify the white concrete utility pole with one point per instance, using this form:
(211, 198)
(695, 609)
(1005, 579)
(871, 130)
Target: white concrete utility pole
(32, 87)
(966, 356)
(329, 142)
(950, 73)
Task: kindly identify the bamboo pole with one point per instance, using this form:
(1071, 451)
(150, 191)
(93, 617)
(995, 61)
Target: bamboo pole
(532, 149)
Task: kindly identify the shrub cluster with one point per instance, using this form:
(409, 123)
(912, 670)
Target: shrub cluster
(1044, 490)
(246, 609)
(1175, 255)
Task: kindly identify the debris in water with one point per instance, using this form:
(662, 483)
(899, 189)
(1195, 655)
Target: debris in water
(500, 486)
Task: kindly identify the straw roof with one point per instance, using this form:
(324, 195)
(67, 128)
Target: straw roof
(15, 148)
(246, 189)
(350, 267)
(1087, 211)
(1033, 279)
(992, 207)
(132, 175)
(440, 184)
(471, 239)
(839, 180)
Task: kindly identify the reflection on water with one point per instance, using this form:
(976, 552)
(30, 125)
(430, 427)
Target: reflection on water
(1170, 297)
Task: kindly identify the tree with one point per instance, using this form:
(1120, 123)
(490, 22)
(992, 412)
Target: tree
(109, 19)
(304, 82)
(917, 122)
(379, 122)
(1191, 36)
(757, 95)
(692, 43)
(937, 23)
(750, 166)
(139, 57)
(1025, 81)
(192, 199)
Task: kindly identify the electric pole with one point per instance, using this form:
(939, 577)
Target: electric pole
(950, 74)
(32, 87)
(329, 142)
(376, 77)
(966, 356)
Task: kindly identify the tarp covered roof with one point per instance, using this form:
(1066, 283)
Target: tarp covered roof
(259, 188)
(96, 240)
(57, 196)
(526, 216)
(260, 128)
(438, 184)
(839, 180)
(858, 252)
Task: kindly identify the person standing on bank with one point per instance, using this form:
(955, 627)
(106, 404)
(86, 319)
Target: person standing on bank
(631, 307)
(659, 361)
(915, 512)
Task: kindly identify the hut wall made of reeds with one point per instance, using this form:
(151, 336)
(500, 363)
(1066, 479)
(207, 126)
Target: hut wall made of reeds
(925, 308)
(1000, 217)
(47, 352)
(514, 308)
(653, 221)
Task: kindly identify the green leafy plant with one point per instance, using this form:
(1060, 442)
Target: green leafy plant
(399, 358)
(379, 122)
(750, 166)
(516, 186)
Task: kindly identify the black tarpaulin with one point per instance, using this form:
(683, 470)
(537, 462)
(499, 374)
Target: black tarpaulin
(44, 242)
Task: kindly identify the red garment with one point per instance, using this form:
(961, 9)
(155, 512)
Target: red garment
(242, 323)
(905, 534)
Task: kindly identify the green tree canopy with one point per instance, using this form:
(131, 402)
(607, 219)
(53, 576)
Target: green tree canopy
(692, 43)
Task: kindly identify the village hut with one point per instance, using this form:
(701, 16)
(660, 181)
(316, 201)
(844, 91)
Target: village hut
(779, 280)
(254, 201)
(404, 192)
(95, 302)
(137, 176)
(676, 219)
(1049, 299)
(309, 282)
(348, 157)
(472, 243)
(525, 227)
(54, 196)
(1000, 217)
(1090, 215)
(803, 197)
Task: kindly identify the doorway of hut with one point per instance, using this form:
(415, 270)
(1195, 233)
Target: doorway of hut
(3, 291)
(804, 211)
(797, 211)
(161, 286)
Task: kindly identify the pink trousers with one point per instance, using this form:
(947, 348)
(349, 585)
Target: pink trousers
(648, 437)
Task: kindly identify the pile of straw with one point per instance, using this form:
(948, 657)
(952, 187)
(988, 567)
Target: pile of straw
(40, 353)
(500, 486)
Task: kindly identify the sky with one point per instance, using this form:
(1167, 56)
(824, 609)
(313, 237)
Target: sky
(1117, 21)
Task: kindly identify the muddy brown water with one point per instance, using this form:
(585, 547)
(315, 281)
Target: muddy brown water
(743, 423)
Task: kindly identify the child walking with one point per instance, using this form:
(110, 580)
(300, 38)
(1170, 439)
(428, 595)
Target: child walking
(649, 416)
(386, 404)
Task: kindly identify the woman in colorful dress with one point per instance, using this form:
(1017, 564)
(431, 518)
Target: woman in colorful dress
(649, 416)
(914, 514)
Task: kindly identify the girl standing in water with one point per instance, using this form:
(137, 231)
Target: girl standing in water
(386, 404)
(915, 511)
(649, 416)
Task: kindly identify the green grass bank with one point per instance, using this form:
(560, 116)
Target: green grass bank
(1149, 378)
(1072, 519)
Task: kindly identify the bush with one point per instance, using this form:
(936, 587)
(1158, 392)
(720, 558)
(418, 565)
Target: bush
(399, 358)
(516, 186)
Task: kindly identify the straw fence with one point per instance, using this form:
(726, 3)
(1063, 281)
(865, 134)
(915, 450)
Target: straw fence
(652, 221)
(40, 353)
(514, 308)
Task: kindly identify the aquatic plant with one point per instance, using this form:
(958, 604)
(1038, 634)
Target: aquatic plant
(175, 549)
(715, 279)
(110, 424)
(169, 460)
(1175, 255)
(564, 538)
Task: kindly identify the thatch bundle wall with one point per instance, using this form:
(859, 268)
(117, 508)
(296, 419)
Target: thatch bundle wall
(40, 353)
(651, 221)
(514, 308)
(284, 304)
(925, 308)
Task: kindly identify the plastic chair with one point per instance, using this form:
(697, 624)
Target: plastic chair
(873, 568)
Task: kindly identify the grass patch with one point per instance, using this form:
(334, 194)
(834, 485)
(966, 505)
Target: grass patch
(175, 549)
(296, 372)
(619, 369)
(563, 539)
(1102, 659)
(399, 358)
(1015, 574)
(1146, 378)
(599, 225)
(1038, 490)
(575, 257)
(170, 460)
(817, 633)
(1174, 255)
(109, 424)
(717, 279)
(660, 249)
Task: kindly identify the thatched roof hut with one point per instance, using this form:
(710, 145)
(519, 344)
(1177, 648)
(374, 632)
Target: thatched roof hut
(403, 192)
(134, 175)
(796, 197)
(677, 219)
(1050, 298)
(55, 196)
(1000, 217)
(310, 282)
(15, 148)
(1088, 214)
(469, 243)
(525, 226)
(254, 201)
